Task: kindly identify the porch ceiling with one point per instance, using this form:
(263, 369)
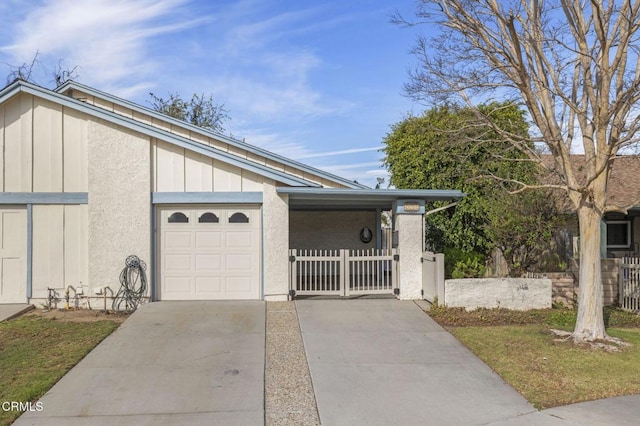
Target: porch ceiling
(361, 199)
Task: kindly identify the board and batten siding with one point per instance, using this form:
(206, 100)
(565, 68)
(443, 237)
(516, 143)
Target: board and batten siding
(43, 147)
(202, 138)
(175, 169)
(59, 252)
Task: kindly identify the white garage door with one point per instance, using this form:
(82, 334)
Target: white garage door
(209, 252)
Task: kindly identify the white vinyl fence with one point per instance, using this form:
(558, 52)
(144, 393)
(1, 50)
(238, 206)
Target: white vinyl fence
(630, 283)
(342, 272)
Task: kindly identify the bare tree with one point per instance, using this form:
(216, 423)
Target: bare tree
(61, 75)
(26, 72)
(22, 72)
(575, 66)
(200, 111)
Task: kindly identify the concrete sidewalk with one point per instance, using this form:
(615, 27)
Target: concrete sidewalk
(385, 362)
(620, 411)
(12, 310)
(169, 363)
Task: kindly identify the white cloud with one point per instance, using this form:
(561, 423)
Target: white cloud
(343, 168)
(361, 172)
(339, 152)
(265, 69)
(107, 39)
(275, 142)
(279, 100)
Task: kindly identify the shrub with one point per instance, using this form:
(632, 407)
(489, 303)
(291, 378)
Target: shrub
(462, 264)
(616, 317)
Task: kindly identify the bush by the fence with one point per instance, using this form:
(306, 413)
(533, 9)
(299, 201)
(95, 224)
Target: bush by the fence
(463, 264)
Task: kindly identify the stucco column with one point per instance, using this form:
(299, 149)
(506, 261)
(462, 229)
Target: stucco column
(275, 243)
(409, 223)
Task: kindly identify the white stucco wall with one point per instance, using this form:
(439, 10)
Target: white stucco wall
(509, 293)
(330, 229)
(410, 243)
(275, 243)
(119, 201)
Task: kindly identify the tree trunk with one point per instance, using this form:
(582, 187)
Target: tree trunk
(590, 321)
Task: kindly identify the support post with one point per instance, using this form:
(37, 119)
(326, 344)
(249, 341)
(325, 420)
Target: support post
(409, 221)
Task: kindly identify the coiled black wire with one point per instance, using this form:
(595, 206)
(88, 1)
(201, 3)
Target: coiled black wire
(133, 285)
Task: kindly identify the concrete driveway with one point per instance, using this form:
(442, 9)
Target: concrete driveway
(170, 363)
(384, 362)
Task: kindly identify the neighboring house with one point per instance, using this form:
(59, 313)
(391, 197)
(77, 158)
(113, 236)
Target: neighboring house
(88, 179)
(621, 229)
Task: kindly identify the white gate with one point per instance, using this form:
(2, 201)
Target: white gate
(630, 283)
(433, 277)
(342, 272)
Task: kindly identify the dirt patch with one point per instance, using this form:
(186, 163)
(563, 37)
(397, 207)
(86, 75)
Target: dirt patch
(459, 317)
(79, 315)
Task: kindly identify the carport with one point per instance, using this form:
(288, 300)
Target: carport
(336, 243)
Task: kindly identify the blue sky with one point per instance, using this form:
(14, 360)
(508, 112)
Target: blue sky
(318, 82)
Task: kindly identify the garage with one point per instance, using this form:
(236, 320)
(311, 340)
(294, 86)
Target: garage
(90, 179)
(209, 252)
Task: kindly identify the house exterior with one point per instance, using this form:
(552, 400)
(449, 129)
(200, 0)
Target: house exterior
(621, 225)
(89, 179)
(623, 228)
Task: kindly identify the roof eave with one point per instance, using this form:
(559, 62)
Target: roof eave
(362, 198)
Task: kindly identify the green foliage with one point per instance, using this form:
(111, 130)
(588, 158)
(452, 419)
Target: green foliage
(563, 317)
(35, 353)
(471, 268)
(200, 111)
(451, 148)
(462, 264)
(616, 317)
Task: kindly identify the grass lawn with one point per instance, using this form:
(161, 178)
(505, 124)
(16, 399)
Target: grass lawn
(546, 372)
(35, 352)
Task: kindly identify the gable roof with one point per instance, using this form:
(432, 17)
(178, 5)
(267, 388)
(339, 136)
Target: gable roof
(624, 181)
(70, 85)
(623, 188)
(20, 86)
